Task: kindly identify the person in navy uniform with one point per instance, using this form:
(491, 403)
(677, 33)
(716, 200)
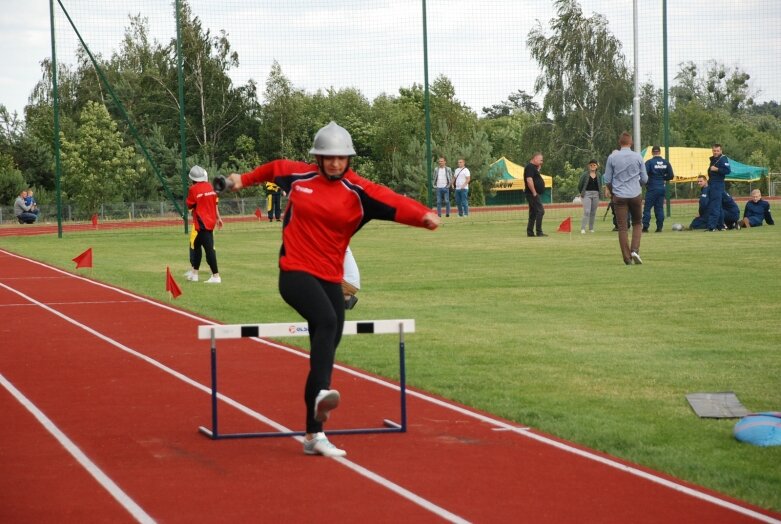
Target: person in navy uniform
(731, 211)
(659, 173)
(717, 172)
(701, 220)
(756, 211)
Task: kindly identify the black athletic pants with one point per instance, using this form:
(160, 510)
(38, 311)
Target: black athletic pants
(204, 239)
(321, 304)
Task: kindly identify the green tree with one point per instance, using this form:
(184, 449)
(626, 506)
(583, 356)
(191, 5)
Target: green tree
(97, 167)
(11, 180)
(586, 83)
(718, 87)
(281, 122)
(518, 102)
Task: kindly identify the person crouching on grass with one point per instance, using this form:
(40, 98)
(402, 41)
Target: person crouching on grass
(327, 204)
(202, 201)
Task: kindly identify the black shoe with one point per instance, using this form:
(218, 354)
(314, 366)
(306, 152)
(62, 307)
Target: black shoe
(530, 234)
(658, 230)
(541, 234)
(645, 230)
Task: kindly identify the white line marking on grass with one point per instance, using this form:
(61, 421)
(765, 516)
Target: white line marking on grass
(458, 409)
(391, 486)
(115, 491)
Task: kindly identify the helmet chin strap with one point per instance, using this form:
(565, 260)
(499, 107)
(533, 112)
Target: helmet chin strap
(321, 165)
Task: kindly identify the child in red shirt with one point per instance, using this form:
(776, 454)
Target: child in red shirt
(202, 201)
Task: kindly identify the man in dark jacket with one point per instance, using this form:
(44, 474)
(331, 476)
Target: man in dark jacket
(701, 220)
(756, 211)
(659, 172)
(731, 211)
(717, 172)
(535, 187)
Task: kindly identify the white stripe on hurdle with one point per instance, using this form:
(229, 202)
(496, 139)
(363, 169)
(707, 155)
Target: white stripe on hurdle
(301, 329)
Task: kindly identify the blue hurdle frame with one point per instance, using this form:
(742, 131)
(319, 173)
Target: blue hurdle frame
(389, 425)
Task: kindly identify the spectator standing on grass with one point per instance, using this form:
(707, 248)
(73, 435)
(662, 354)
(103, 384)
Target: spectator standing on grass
(756, 211)
(461, 177)
(624, 175)
(202, 201)
(659, 172)
(535, 187)
(588, 187)
(328, 203)
(24, 213)
(717, 172)
(442, 179)
(274, 201)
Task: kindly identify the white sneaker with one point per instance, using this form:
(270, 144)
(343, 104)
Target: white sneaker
(191, 276)
(636, 258)
(320, 445)
(590, 230)
(214, 279)
(325, 401)
(582, 231)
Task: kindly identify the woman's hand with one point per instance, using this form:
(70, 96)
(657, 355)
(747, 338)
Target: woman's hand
(235, 179)
(431, 220)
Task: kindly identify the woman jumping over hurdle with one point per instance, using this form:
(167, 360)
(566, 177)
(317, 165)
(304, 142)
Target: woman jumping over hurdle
(327, 204)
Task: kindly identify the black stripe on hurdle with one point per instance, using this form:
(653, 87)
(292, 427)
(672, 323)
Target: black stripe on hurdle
(249, 331)
(364, 327)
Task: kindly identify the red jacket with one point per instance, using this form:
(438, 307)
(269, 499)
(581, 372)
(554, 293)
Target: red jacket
(202, 200)
(322, 215)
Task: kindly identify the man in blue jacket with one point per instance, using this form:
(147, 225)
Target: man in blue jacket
(701, 220)
(756, 211)
(717, 172)
(624, 176)
(659, 172)
(731, 211)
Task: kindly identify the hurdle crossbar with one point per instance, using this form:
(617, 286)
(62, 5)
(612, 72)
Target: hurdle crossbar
(301, 329)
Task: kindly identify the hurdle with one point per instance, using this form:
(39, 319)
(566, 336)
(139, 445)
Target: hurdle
(301, 329)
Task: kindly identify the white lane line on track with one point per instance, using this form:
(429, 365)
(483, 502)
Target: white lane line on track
(93, 302)
(458, 409)
(115, 491)
(391, 486)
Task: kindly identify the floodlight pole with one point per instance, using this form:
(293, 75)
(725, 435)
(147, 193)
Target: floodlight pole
(665, 98)
(636, 101)
(56, 114)
(427, 111)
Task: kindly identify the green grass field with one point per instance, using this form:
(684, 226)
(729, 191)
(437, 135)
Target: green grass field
(556, 333)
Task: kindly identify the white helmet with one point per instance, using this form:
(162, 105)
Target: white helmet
(332, 140)
(198, 174)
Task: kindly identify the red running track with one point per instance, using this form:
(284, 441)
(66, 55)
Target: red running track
(103, 391)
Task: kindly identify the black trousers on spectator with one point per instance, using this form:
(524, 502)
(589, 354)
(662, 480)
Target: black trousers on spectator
(536, 211)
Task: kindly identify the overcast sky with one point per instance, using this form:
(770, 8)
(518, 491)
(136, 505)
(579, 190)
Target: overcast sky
(480, 46)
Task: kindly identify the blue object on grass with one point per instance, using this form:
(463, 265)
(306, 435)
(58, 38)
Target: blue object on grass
(760, 429)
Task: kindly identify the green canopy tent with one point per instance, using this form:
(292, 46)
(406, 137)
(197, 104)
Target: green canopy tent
(509, 186)
(689, 162)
